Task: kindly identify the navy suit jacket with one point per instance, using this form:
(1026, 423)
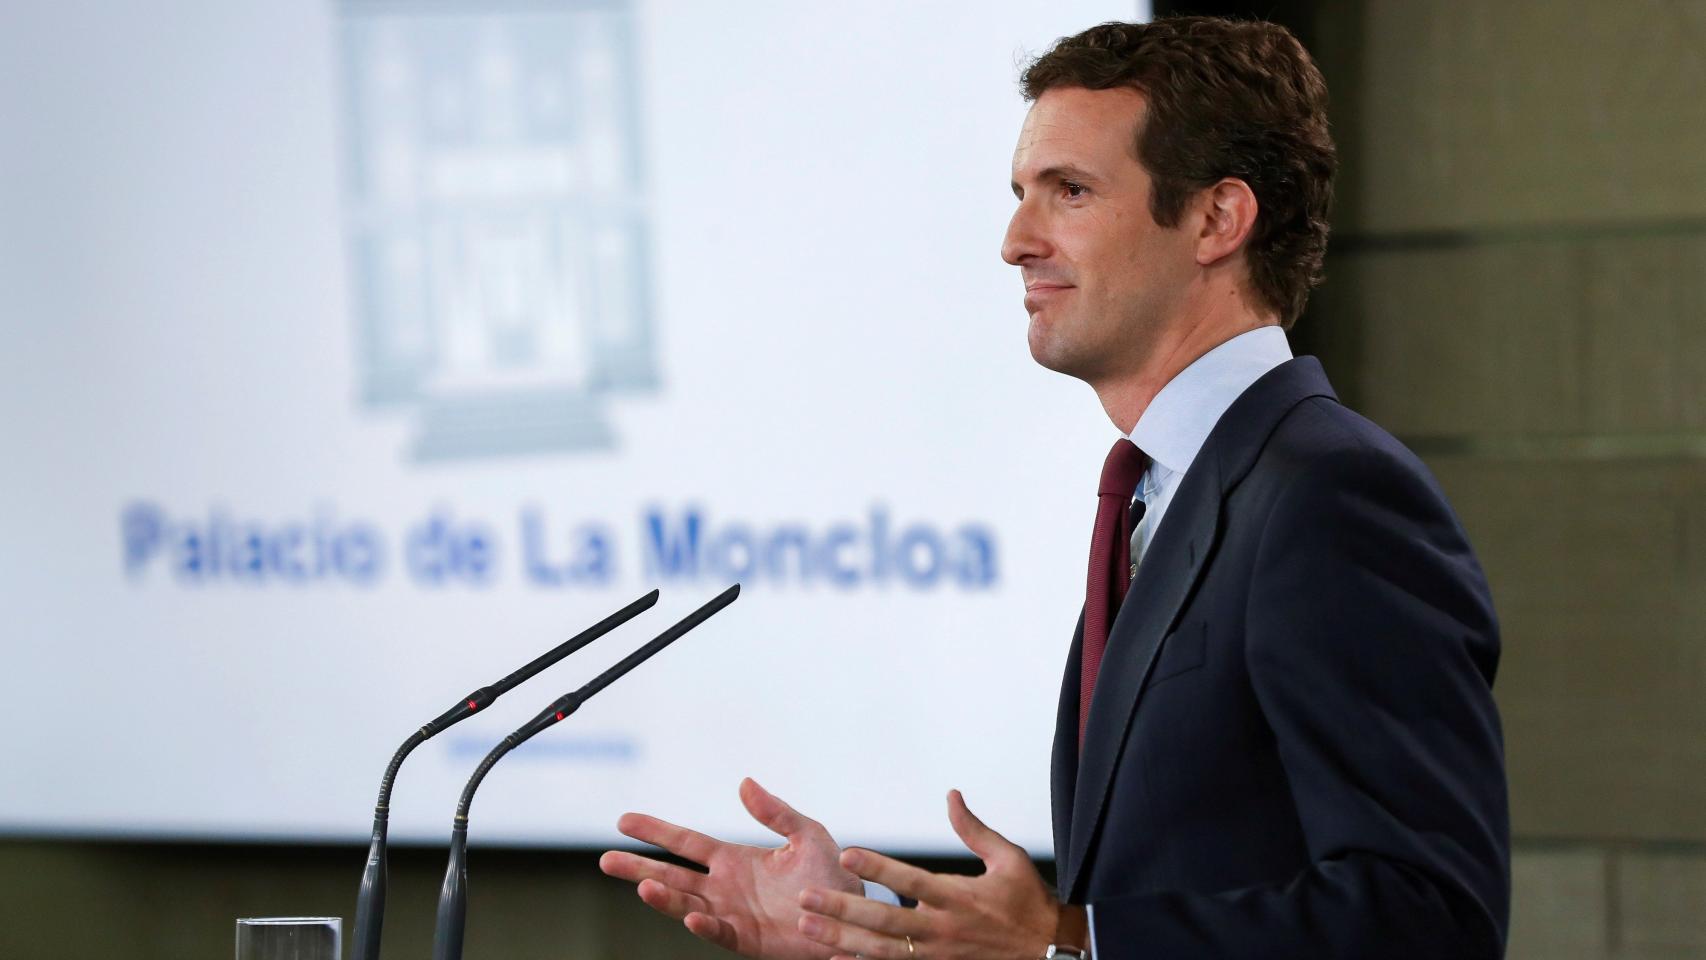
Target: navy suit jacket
(1293, 751)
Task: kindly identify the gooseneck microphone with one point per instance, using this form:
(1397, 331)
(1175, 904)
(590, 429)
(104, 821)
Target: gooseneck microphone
(370, 902)
(453, 899)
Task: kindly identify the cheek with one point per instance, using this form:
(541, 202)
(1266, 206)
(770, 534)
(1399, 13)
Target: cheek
(1153, 260)
(1116, 249)
(1122, 269)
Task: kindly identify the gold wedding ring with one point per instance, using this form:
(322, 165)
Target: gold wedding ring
(911, 950)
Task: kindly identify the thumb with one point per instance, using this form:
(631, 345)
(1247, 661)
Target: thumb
(768, 809)
(989, 846)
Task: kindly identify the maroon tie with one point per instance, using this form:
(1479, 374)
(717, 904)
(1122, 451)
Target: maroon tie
(1110, 556)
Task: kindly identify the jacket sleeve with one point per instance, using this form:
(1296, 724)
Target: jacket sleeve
(1371, 646)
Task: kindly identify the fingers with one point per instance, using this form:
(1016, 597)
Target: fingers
(768, 809)
(853, 940)
(975, 834)
(672, 891)
(902, 878)
(635, 868)
(680, 841)
(669, 901)
(864, 912)
(706, 927)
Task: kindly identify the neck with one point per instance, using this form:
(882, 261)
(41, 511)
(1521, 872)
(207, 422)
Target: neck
(1126, 395)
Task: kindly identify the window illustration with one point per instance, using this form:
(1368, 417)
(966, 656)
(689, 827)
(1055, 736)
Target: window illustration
(496, 219)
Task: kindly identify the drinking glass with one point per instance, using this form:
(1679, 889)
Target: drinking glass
(289, 938)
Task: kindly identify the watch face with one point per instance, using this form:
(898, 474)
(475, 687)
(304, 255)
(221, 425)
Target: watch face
(1063, 953)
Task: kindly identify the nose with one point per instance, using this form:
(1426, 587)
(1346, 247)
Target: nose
(1024, 241)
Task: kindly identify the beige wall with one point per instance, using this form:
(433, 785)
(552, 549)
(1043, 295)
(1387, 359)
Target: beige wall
(1518, 290)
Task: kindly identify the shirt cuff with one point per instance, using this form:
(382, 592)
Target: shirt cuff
(1090, 911)
(877, 891)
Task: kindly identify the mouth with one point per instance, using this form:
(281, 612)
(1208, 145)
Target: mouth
(1039, 294)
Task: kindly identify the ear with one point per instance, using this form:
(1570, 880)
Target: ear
(1229, 215)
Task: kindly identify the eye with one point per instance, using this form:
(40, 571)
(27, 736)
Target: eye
(1074, 190)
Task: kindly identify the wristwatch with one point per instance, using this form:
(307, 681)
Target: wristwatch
(1058, 952)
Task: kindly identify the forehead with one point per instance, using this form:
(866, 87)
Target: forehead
(1079, 127)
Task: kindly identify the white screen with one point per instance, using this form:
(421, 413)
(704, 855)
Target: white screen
(284, 282)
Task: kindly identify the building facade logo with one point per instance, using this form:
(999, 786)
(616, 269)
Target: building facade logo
(496, 219)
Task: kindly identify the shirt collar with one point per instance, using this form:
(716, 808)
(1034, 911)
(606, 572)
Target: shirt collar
(1177, 422)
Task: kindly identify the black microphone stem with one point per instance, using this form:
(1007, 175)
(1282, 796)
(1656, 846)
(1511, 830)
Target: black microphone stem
(453, 898)
(370, 901)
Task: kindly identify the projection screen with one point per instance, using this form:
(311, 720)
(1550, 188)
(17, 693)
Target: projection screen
(355, 353)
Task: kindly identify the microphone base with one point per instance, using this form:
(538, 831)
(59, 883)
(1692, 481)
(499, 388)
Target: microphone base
(370, 902)
(453, 898)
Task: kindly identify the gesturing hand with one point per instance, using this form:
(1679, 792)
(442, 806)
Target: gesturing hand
(748, 902)
(1004, 914)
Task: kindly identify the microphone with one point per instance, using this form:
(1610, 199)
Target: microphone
(453, 899)
(370, 902)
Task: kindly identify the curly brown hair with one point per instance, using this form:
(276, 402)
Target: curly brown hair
(1226, 98)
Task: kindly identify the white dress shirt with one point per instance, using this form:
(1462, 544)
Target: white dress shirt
(1173, 428)
(1177, 422)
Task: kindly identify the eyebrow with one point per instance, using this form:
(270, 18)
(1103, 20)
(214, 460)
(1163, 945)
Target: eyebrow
(1059, 172)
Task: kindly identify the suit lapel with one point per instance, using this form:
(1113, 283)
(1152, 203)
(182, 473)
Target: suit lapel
(1063, 761)
(1171, 569)
(1175, 561)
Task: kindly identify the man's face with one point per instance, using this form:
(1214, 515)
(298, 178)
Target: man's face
(1102, 279)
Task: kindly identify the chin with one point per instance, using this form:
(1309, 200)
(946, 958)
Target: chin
(1048, 348)
(1068, 349)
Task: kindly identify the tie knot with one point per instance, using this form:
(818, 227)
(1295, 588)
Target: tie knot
(1122, 469)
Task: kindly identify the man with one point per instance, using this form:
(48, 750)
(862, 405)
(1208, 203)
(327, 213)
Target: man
(1276, 736)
